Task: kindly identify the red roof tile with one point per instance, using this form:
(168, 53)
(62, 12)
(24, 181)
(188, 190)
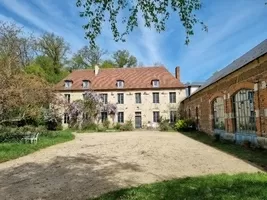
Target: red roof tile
(134, 78)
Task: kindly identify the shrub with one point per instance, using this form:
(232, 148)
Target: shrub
(117, 126)
(216, 137)
(100, 128)
(54, 125)
(185, 125)
(181, 125)
(89, 126)
(10, 134)
(106, 124)
(59, 127)
(164, 125)
(128, 126)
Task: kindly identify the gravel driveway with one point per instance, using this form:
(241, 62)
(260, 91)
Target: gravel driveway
(96, 163)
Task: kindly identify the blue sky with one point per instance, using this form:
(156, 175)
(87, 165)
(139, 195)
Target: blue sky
(235, 26)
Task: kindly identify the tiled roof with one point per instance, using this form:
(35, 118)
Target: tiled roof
(134, 78)
(248, 57)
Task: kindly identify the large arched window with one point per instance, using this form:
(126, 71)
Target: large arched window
(244, 113)
(218, 114)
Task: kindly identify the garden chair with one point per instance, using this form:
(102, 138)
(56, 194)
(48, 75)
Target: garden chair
(32, 138)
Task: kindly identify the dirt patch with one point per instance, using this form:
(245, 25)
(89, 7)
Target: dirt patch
(96, 163)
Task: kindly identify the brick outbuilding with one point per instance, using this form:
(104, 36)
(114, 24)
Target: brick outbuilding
(233, 102)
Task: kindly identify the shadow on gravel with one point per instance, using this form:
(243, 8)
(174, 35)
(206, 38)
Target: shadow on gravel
(76, 177)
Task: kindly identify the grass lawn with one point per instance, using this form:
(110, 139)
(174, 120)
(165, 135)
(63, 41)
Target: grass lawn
(9, 151)
(213, 187)
(256, 156)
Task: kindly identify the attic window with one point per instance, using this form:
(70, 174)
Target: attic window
(120, 84)
(86, 84)
(68, 83)
(155, 83)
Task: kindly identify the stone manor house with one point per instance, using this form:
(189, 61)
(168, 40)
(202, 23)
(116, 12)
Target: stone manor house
(142, 94)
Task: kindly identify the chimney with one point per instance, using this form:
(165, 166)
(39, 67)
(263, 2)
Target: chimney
(177, 73)
(96, 69)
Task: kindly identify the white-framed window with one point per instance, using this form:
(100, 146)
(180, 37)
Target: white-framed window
(156, 116)
(86, 84)
(120, 98)
(173, 116)
(104, 98)
(155, 83)
(172, 97)
(67, 97)
(120, 117)
(68, 84)
(138, 98)
(155, 97)
(120, 84)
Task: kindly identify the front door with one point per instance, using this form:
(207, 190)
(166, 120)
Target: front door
(138, 120)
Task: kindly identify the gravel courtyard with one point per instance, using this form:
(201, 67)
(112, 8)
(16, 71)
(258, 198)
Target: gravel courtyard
(96, 163)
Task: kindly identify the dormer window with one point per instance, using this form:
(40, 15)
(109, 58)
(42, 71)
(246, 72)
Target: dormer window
(155, 83)
(86, 84)
(120, 84)
(68, 83)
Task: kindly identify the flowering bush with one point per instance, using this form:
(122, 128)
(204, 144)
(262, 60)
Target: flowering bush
(52, 115)
(90, 106)
(110, 108)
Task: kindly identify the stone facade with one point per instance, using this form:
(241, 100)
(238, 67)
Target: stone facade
(130, 108)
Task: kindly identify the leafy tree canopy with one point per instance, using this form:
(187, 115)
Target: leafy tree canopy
(154, 13)
(123, 58)
(108, 64)
(55, 48)
(43, 66)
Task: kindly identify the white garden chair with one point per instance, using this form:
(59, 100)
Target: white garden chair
(32, 138)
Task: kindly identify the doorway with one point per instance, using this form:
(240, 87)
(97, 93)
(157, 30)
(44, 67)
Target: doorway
(138, 120)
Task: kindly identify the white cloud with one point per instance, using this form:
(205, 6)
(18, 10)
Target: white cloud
(212, 51)
(49, 20)
(150, 40)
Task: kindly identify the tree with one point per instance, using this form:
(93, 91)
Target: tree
(55, 48)
(77, 62)
(35, 69)
(124, 59)
(16, 50)
(90, 55)
(43, 67)
(23, 96)
(108, 64)
(153, 13)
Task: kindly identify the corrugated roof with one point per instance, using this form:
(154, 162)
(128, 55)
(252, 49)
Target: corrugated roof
(134, 78)
(248, 57)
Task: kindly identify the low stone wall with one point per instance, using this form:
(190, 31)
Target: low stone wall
(240, 138)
